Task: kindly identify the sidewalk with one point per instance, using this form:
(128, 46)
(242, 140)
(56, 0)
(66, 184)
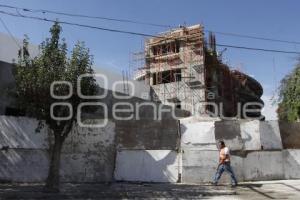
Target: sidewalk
(285, 189)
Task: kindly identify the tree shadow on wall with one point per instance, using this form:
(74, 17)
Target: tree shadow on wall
(24, 155)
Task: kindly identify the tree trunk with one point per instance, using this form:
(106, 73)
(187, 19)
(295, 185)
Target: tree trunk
(52, 182)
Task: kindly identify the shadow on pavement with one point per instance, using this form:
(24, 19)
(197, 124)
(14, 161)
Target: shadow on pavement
(114, 191)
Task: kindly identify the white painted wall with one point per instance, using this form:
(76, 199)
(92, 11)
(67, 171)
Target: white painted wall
(147, 165)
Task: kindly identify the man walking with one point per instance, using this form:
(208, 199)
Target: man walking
(224, 165)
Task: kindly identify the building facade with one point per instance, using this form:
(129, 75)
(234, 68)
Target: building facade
(185, 70)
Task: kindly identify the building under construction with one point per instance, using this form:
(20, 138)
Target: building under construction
(185, 70)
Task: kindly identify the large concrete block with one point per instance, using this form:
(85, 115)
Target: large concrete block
(291, 163)
(147, 165)
(198, 135)
(258, 135)
(237, 164)
(82, 139)
(20, 132)
(87, 167)
(270, 135)
(88, 154)
(148, 134)
(230, 133)
(250, 132)
(290, 134)
(263, 165)
(200, 166)
(21, 165)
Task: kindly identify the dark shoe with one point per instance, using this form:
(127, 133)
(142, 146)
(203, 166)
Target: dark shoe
(234, 185)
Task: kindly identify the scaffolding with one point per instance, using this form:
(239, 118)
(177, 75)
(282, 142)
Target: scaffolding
(176, 57)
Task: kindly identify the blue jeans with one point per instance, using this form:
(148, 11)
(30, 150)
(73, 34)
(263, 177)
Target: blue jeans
(225, 167)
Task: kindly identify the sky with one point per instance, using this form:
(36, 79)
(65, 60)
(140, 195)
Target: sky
(261, 18)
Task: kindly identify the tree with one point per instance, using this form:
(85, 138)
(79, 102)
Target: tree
(33, 78)
(289, 106)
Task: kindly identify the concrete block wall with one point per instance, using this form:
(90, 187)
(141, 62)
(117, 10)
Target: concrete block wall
(147, 134)
(263, 165)
(255, 147)
(88, 154)
(27, 159)
(147, 166)
(230, 133)
(200, 153)
(291, 165)
(250, 134)
(198, 135)
(150, 151)
(20, 132)
(290, 134)
(147, 150)
(270, 135)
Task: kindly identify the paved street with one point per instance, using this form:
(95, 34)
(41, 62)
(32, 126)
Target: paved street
(288, 189)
